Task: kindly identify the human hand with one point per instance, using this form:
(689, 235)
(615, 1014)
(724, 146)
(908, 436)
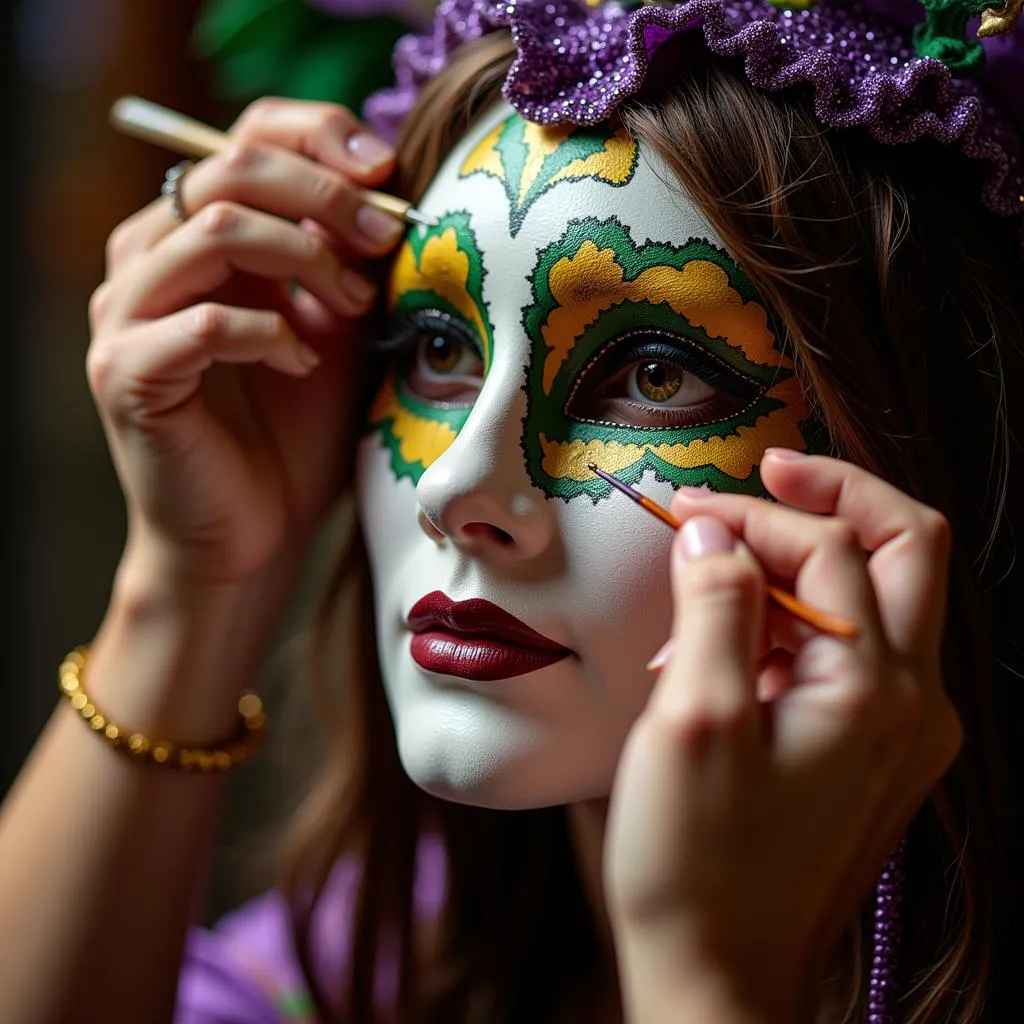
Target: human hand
(228, 443)
(775, 768)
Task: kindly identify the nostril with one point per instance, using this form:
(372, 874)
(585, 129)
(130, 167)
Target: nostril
(487, 531)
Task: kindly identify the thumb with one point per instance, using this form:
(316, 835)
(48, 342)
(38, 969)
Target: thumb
(718, 591)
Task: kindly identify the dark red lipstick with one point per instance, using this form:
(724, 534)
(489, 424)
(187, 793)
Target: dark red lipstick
(476, 640)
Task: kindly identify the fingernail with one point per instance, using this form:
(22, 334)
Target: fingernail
(660, 659)
(785, 453)
(694, 492)
(378, 226)
(369, 150)
(705, 535)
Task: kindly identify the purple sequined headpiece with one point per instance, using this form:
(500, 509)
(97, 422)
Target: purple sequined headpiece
(576, 63)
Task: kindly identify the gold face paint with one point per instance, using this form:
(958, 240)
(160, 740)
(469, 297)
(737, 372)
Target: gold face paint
(593, 288)
(438, 271)
(530, 159)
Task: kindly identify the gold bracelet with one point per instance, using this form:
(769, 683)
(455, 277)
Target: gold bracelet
(183, 757)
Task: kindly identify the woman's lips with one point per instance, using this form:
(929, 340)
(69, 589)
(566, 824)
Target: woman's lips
(476, 640)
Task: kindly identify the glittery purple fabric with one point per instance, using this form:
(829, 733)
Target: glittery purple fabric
(577, 63)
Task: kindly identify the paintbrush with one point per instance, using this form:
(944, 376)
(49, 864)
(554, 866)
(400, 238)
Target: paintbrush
(151, 122)
(822, 621)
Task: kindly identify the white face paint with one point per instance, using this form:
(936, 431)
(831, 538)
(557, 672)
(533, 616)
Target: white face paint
(493, 499)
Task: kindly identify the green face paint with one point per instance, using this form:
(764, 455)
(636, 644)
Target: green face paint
(593, 285)
(530, 159)
(574, 296)
(437, 269)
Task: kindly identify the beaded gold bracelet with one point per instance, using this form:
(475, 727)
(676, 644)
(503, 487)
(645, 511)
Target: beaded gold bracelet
(183, 757)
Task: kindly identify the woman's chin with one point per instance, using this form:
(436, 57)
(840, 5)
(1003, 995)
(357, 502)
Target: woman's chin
(506, 785)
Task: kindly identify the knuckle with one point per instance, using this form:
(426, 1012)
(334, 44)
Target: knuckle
(840, 535)
(722, 579)
(337, 119)
(207, 321)
(261, 112)
(330, 192)
(269, 322)
(693, 724)
(119, 241)
(99, 304)
(99, 367)
(312, 248)
(935, 530)
(217, 220)
(242, 156)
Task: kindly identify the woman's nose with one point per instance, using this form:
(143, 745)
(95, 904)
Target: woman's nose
(478, 496)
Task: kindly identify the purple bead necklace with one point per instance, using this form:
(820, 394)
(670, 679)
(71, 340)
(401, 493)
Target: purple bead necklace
(882, 991)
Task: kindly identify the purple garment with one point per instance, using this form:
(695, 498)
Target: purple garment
(244, 970)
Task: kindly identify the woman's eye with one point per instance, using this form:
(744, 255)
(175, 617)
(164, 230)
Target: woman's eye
(439, 364)
(662, 383)
(653, 380)
(441, 354)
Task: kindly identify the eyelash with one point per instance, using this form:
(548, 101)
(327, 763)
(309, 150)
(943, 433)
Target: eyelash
(403, 333)
(619, 353)
(400, 342)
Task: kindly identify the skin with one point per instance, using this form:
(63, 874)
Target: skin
(229, 451)
(859, 731)
(846, 746)
(473, 478)
(231, 444)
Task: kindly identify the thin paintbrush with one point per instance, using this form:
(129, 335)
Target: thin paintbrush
(822, 621)
(146, 120)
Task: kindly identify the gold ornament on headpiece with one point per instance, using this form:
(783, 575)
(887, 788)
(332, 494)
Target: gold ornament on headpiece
(1000, 20)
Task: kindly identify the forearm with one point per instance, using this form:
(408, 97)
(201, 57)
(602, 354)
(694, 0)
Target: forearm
(104, 858)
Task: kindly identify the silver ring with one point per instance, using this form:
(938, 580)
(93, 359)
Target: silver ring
(172, 187)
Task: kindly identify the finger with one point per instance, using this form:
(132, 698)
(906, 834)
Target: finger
(708, 682)
(139, 233)
(325, 132)
(774, 675)
(156, 366)
(819, 557)
(289, 185)
(909, 541)
(226, 239)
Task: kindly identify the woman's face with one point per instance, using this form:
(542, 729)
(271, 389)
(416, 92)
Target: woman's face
(569, 308)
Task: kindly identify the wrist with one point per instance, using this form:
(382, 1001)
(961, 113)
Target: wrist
(663, 981)
(676, 1000)
(173, 653)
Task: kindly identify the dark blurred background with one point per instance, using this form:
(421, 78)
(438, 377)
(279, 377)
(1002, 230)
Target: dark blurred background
(69, 178)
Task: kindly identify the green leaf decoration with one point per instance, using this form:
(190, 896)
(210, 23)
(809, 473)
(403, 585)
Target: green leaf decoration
(943, 34)
(288, 48)
(345, 64)
(229, 25)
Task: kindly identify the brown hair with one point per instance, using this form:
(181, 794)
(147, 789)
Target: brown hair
(896, 297)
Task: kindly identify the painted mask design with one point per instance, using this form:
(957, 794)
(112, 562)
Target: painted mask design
(541, 327)
(647, 350)
(530, 159)
(677, 327)
(436, 290)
